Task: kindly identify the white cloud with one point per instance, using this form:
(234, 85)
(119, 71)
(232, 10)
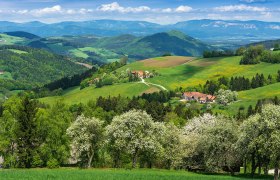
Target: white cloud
(253, 1)
(116, 7)
(167, 10)
(241, 7)
(47, 10)
(275, 27)
(182, 9)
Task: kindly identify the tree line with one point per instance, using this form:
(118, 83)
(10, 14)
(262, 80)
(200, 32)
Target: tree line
(257, 54)
(237, 83)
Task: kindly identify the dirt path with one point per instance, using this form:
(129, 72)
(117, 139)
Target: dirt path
(148, 84)
(85, 65)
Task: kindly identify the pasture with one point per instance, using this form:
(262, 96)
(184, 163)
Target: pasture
(75, 95)
(198, 71)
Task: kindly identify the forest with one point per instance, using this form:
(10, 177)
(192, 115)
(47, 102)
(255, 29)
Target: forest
(30, 68)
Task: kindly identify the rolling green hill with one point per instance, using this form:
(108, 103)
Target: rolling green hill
(100, 50)
(181, 72)
(26, 68)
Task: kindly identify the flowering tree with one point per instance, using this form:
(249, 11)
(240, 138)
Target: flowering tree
(86, 135)
(225, 97)
(172, 142)
(133, 132)
(261, 133)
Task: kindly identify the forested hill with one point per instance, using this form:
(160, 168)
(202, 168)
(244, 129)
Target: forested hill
(25, 68)
(103, 50)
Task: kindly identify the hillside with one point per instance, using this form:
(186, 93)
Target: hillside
(175, 72)
(267, 44)
(22, 34)
(26, 68)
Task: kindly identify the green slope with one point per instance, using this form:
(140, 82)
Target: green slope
(191, 73)
(250, 97)
(26, 68)
(75, 95)
(199, 71)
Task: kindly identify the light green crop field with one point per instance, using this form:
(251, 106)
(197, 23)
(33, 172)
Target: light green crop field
(75, 95)
(112, 174)
(18, 51)
(10, 40)
(82, 52)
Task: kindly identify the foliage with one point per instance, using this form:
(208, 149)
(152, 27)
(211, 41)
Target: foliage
(225, 97)
(252, 55)
(34, 68)
(87, 136)
(133, 133)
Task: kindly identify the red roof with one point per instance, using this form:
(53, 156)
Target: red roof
(198, 95)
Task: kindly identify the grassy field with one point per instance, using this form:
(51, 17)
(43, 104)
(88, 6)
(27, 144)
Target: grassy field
(250, 97)
(182, 71)
(10, 40)
(84, 53)
(111, 174)
(75, 95)
(198, 71)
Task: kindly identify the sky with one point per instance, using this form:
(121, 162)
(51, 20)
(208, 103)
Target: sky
(156, 11)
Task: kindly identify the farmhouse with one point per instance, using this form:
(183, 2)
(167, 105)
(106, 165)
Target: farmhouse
(141, 74)
(1, 72)
(199, 97)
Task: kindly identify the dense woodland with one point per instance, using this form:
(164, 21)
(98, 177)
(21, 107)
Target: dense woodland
(30, 68)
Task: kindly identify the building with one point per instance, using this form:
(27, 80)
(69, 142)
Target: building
(199, 97)
(141, 74)
(1, 72)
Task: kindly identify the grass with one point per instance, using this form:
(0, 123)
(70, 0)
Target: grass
(200, 70)
(250, 97)
(83, 53)
(111, 174)
(11, 40)
(18, 51)
(6, 75)
(191, 73)
(75, 95)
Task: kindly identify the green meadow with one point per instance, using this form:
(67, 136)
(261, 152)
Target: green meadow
(113, 174)
(75, 95)
(188, 74)
(200, 70)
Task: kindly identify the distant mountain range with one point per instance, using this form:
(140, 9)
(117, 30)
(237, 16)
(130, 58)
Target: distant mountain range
(240, 32)
(101, 50)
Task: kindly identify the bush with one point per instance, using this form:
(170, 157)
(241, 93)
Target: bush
(52, 164)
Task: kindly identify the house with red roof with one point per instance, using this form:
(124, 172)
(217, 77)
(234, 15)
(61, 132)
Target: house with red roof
(199, 97)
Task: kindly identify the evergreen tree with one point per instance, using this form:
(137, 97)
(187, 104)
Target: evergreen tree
(26, 132)
(250, 111)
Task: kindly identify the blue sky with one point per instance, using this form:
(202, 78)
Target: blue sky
(158, 11)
